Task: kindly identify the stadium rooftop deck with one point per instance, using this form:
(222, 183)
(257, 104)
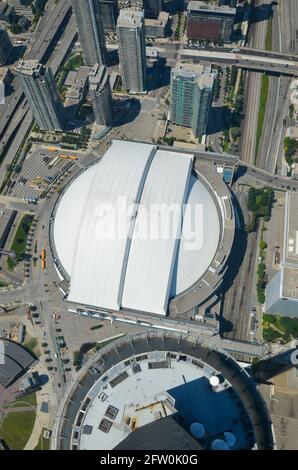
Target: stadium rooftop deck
(168, 372)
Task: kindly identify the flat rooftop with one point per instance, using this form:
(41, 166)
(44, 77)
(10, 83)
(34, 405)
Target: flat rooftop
(290, 282)
(291, 229)
(98, 77)
(29, 67)
(162, 20)
(203, 73)
(130, 18)
(152, 387)
(151, 368)
(206, 7)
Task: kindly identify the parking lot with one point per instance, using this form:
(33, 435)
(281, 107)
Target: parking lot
(40, 170)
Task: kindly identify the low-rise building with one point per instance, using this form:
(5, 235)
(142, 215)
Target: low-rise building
(282, 289)
(22, 7)
(207, 21)
(157, 28)
(7, 12)
(30, 382)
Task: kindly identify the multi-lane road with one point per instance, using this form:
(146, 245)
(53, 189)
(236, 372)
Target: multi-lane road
(16, 117)
(47, 29)
(278, 94)
(284, 27)
(260, 63)
(252, 92)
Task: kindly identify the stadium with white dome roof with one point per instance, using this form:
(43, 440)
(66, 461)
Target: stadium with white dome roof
(141, 268)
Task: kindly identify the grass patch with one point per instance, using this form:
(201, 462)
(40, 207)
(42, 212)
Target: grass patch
(268, 39)
(10, 264)
(17, 428)
(43, 444)
(260, 201)
(270, 335)
(20, 241)
(262, 109)
(73, 62)
(23, 401)
(32, 345)
(277, 328)
(29, 399)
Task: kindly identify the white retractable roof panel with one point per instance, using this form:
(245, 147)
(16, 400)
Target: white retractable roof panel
(195, 258)
(69, 215)
(100, 258)
(151, 260)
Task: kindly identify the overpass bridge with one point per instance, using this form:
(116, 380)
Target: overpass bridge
(259, 63)
(263, 53)
(243, 50)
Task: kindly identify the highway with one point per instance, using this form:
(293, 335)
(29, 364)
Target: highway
(21, 128)
(251, 110)
(8, 109)
(271, 142)
(267, 151)
(245, 61)
(43, 37)
(285, 20)
(47, 29)
(64, 44)
(256, 40)
(288, 12)
(16, 106)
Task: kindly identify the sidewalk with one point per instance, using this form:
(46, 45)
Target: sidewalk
(42, 419)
